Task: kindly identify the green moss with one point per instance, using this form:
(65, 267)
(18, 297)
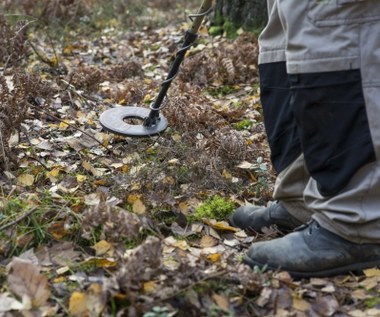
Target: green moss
(222, 90)
(230, 30)
(216, 30)
(372, 302)
(215, 208)
(243, 125)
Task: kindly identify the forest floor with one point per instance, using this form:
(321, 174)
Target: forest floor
(95, 224)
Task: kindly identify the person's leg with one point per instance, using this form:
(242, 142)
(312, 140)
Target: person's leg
(332, 55)
(289, 210)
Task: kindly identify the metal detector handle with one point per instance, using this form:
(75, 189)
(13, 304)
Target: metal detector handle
(190, 37)
(198, 18)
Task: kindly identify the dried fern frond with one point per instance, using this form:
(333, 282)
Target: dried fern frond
(13, 42)
(139, 266)
(232, 62)
(14, 106)
(115, 224)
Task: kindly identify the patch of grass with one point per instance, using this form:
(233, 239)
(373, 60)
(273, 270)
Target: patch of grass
(216, 207)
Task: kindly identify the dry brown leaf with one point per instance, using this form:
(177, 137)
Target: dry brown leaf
(222, 301)
(207, 242)
(149, 287)
(96, 299)
(58, 230)
(301, 304)
(325, 306)
(25, 280)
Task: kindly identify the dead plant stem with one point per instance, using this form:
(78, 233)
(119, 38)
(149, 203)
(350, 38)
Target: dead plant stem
(12, 223)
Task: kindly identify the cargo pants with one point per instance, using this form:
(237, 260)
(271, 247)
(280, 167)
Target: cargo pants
(319, 69)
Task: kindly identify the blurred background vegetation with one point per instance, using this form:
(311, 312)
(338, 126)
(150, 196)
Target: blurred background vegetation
(92, 15)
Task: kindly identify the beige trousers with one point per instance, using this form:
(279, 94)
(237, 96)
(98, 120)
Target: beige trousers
(314, 36)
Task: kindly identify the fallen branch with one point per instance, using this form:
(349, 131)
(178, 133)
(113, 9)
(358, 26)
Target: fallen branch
(15, 222)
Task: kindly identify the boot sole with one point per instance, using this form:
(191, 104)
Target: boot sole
(343, 270)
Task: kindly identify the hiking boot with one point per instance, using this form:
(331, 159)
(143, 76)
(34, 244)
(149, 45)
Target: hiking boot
(255, 218)
(313, 251)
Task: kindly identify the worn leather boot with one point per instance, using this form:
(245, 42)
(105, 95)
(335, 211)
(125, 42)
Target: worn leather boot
(313, 251)
(255, 218)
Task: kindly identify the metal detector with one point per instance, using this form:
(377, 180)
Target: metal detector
(114, 119)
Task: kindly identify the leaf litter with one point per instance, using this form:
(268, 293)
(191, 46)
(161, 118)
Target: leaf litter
(100, 225)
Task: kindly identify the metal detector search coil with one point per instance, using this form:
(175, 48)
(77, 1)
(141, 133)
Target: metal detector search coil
(114, 119)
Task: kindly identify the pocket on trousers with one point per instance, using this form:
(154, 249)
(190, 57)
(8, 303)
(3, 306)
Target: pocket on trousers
(343, 12)
(331, 114)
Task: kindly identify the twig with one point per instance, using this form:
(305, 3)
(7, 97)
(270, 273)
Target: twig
(14, 222)
(191, 285)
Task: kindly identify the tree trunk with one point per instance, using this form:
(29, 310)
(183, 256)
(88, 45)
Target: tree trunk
(249, 14)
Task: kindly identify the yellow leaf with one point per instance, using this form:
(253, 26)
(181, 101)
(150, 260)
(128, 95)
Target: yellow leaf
(139, 207)
(81, 178)
(103, 263)
(214, 257)
(181, 244)
(78, 303)
(220, 225)
(103, 247)
(372, 272)
(147, 98)
(60, 279)
(25, 180)
(63, 125)
(53, 174)
(132, 198)
(149, 287)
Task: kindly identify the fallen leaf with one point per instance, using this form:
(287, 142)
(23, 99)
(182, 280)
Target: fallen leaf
(25, 280)
(220, 225)
(8, 303)
(103, 247)
(78, 304)
(222, 301)
(53, 174)
(25, 180)
(214, 257)
(372, 272)
(325, 306)
(207, 242)
(58, 230)
(149, 287)
(301, 304)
